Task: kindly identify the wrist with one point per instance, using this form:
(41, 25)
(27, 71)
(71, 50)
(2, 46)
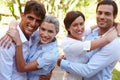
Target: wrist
(19, 43)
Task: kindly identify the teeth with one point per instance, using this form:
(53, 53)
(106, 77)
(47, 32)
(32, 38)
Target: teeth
(80, 32)
(30, 28)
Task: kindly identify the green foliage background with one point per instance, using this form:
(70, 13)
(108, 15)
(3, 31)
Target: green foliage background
(59, 8)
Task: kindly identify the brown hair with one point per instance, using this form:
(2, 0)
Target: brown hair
(109, 2)
(70, 17)
(36, 7)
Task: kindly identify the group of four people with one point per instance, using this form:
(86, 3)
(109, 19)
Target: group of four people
(34, 52)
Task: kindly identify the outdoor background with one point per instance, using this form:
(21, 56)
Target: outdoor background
(11, 9)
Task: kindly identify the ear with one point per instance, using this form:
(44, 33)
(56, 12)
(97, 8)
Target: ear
(22, 14)
(68, 29)
(115, 16)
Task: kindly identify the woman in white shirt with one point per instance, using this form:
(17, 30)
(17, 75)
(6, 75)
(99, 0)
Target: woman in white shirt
(74, 46)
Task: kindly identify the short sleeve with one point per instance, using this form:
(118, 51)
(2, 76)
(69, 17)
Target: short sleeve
(86, 45)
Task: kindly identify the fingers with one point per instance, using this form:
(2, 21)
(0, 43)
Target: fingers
(45, 77)
(10, 33)
(42, 77)
(13, 32)
(9, 42)
(2, 40)
(5, 41)
(61, 56)
(117, 27)
(13, 24)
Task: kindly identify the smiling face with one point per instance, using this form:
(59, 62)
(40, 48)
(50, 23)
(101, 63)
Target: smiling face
(29, 23)
(76, 29)
(47, 32)
(105, 17)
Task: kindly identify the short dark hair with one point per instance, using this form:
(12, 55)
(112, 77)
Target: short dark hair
(109, 2)
(70, 17)
(36, 7)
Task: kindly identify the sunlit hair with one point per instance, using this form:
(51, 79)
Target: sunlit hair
(70, 17)
(53, 20)
(37, 8)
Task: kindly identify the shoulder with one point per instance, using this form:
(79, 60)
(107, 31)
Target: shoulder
(51, 46)
(3, 32)
(115, 42)
(113, 47)
(68, 40)
(8, 52)
(92, 35)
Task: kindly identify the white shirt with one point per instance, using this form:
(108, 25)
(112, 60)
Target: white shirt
(101, 61)
(7, 60)
(74, 51)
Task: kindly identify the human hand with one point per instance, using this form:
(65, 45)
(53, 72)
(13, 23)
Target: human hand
(117, 27)
(14, 34)
(6, 41)
(46, 77)
(111, 35)
(13, 24)
(59, 59)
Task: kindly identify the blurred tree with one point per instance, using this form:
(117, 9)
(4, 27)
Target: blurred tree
(19, 6)
(60, 7)
(116, 74)
(10, 5)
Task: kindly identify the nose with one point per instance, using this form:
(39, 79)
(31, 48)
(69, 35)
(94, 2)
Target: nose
(45, 33)
(79, 27)
(102, 16)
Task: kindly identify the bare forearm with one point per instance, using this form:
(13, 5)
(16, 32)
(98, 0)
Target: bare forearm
(20, 63)
(107, 38)
(19, 58)
(98, 43)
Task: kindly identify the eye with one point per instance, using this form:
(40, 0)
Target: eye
(42, 29)
(75, 25)
(108, 13)
(81, 23)
(99, 12)
(50, 31)
(30, 17)
(39, 21)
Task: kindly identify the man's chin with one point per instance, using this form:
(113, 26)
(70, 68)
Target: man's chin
(101, 26)
(29, 33)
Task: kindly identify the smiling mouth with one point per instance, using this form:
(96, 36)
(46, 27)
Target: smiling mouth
(80, 32)
(30, 28)
(44, 39)
(101, 23)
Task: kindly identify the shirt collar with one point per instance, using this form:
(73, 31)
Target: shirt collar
(22, 36)
(96, 32)
(48, 46)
